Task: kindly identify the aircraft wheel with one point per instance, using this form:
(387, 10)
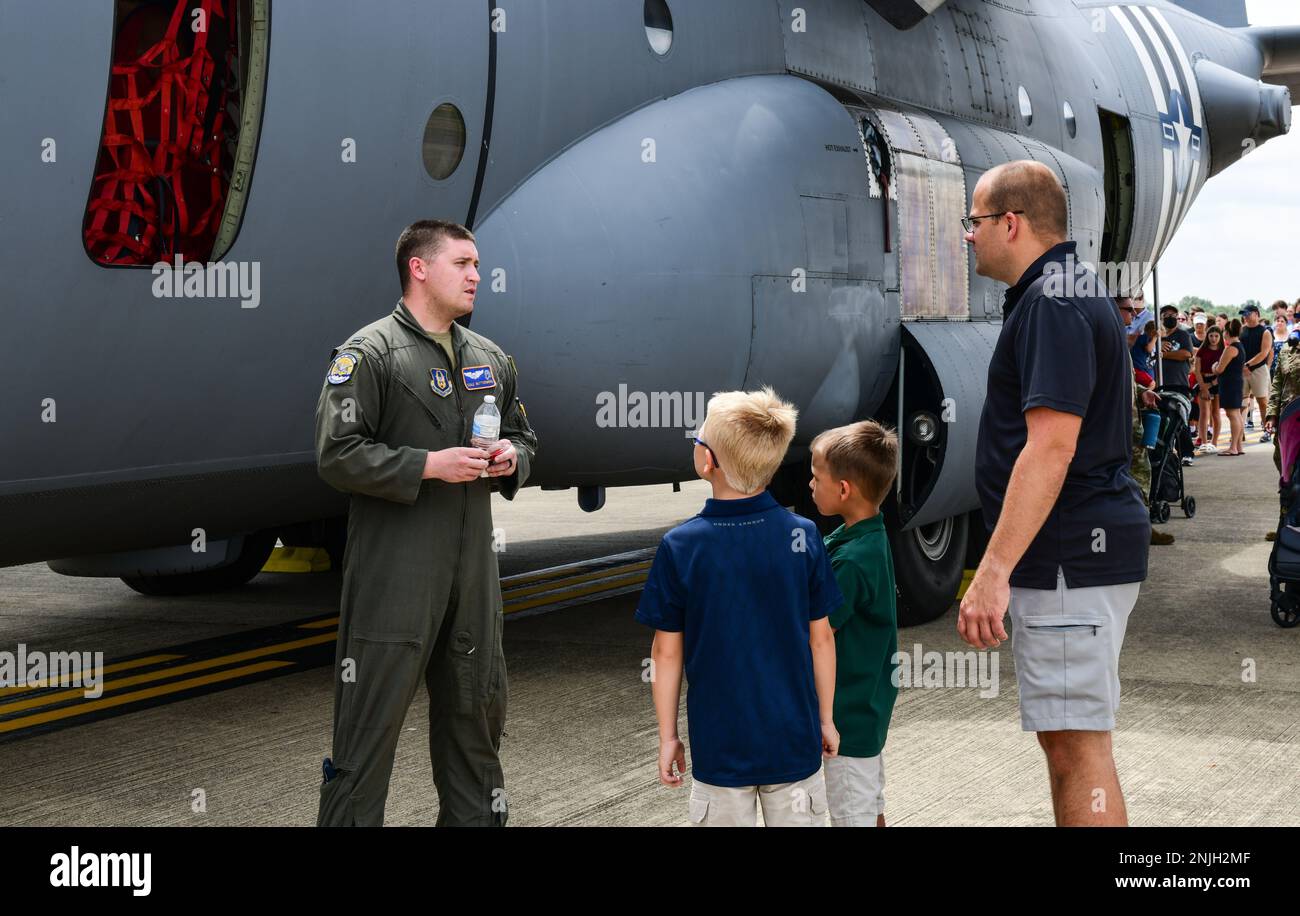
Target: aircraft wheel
(257, 548)
(928, 565)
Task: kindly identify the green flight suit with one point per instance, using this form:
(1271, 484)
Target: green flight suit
(421, 591)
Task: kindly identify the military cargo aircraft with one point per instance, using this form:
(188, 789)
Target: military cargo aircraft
(671, 198)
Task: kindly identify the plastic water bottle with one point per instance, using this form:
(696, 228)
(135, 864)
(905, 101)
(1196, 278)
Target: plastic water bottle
(486, 430)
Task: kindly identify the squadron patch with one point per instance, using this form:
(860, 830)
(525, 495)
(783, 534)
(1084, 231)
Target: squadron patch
(478, 378)
(342, 368)
(440, 382)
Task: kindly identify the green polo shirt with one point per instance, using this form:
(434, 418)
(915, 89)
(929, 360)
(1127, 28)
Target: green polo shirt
(866, 636)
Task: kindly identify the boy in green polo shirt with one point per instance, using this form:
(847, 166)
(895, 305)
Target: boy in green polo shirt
(853, 469)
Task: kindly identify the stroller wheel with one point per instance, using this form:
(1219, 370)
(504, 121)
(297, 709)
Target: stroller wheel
(1160, 514)
(1189, 507)
(1286, 617)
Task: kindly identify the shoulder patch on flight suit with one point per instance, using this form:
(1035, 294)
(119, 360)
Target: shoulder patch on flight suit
(440, 382)
(478, 378)
(342, 368)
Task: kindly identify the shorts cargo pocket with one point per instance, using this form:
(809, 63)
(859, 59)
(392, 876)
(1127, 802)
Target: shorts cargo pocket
(817, 801)
(698, 810)
(1070, 655)
(464, 665)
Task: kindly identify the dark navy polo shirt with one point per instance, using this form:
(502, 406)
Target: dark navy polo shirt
(741, 581)
(1068, 353)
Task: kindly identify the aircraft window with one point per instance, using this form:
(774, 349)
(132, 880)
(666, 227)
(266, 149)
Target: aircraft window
(1026, 108)
(658, 26)
(183, 113)
(1070, 124)
(444, 141)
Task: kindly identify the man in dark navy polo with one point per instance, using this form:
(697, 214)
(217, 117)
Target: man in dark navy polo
(1068, 548)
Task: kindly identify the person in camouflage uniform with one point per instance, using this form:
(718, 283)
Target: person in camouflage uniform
(1286, 386)
(1143, 400)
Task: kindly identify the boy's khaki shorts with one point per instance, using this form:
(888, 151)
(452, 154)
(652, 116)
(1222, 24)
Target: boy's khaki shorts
(790, 804)
(855, 790)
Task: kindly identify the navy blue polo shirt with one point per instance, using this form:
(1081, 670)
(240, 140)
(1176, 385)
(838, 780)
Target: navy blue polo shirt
(1068, 353)
(741, 581)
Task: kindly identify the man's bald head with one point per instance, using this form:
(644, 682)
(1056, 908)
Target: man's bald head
(1030, 187)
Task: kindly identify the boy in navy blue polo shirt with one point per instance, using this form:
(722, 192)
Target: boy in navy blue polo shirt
(738, 595)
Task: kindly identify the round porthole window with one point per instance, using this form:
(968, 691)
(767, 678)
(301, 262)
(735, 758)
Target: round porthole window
(1026, 108)
(1071, 126)
(658, 26)
(444, 141)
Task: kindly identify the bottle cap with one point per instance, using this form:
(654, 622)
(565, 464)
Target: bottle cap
(489, 399)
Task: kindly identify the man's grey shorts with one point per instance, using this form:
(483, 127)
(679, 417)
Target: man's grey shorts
(1066, 643)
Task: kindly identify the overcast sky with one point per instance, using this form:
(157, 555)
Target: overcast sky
(1241, 238)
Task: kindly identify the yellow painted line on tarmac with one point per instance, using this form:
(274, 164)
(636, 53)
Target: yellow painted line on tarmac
(630, 579)
(525, 591)
(108, 669)
(167, 673)
(320, 624)
(90, 706)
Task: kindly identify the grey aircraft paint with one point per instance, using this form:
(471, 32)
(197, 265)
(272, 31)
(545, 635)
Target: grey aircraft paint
(774, 200)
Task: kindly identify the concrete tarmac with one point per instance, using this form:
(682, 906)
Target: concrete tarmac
(1208, 733)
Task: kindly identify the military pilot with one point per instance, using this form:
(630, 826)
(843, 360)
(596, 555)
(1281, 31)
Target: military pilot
(421, 594)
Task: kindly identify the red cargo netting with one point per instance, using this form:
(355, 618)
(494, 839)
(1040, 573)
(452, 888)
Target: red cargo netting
(169, 131)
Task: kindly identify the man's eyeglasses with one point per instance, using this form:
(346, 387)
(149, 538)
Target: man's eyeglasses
(704, 445)
(969, 222)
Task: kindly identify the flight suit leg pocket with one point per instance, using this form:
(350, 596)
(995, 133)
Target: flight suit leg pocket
(464, 667)
(378, 675)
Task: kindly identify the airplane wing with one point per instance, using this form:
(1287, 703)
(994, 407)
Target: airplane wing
(1280, 45)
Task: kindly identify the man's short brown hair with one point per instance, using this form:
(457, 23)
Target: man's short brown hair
(423, 239)
(1034, 189)
(863, 453)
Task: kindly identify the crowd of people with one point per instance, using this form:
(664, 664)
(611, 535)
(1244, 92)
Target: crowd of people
(1230, 368)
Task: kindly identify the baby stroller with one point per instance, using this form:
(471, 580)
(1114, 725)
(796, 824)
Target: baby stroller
(1166, 463)
(1284, 561)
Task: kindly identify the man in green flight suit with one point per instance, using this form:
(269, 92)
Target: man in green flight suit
(421, 593)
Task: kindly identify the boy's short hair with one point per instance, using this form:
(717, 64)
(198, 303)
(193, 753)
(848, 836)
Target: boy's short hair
(750, 431)
(863, 453)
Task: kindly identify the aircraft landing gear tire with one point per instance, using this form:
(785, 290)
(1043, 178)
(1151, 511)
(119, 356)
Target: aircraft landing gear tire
(257, 548)
(928, 564)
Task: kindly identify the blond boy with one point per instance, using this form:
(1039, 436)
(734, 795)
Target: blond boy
(738, 598)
